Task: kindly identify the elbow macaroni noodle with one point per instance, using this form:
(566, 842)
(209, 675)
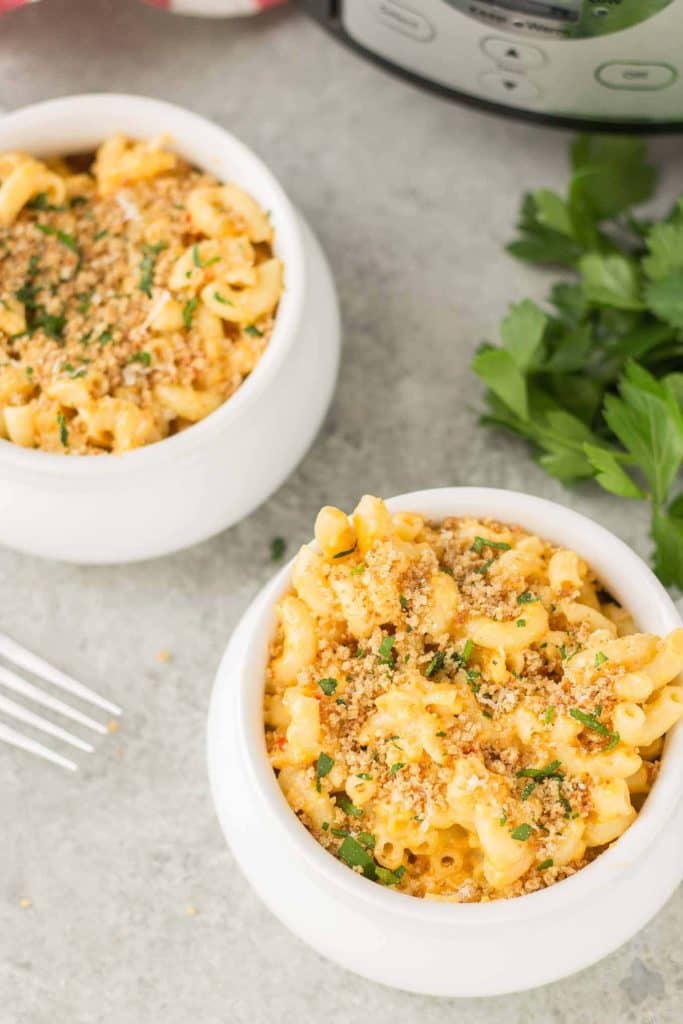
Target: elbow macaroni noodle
(135, 296)
(459, 709)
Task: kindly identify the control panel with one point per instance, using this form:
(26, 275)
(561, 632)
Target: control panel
(616, 60)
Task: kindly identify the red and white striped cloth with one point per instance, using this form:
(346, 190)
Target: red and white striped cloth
(206, 8)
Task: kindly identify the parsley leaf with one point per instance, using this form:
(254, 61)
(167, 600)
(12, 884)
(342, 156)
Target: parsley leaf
(386, 652)
(139, 357)
(355, 855)
(189, 310)
(522, 832)
(278, 546)
(592, 722)
(593, 380)
(323, 767)
(66, 240)
(328, 686)
(147, 266)
(348, 807)
(436, 664)
(63, 431)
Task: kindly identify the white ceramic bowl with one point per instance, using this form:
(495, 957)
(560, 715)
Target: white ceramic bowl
(431, 947)
(166, 496)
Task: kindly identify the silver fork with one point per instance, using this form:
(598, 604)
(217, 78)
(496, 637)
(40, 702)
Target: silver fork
(13, 652)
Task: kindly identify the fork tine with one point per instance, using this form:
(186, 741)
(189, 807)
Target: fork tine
(23, 714)
(19, 685)
(15, 739)
(17, 654)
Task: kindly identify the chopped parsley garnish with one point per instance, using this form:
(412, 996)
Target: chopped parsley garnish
(521, 623)
(551, 771)
(328, 686)
(73, 372)
(354, 853)
(436, 664)
(348, 807)
(548, 863)
(568, 809)
(253, 331)
(340, 832)
(472, 675)
(356, 856)
(503, 818)
(340, 700)
(42, 202)
(486, 566)
(100, 234)
(67, 240)
(386, 652)
(396, 767)
(105, 336)
(441, 733)
(325, 826)
(387, 877)
(358, 569)
(147, 265)
(323, 767)
(223, 301)
(522, 832)
(527, 598)
(600, 659)
(461, 658)
(63, 431)
(85, 298)
(590, 721)
(549, 715)
(188, 311)
(52, 324)
(360, 652)
(480, 543)
(349, 551)
(278, 546)
(403, 601)
(140, 357)
(364, 775)
(197, 260)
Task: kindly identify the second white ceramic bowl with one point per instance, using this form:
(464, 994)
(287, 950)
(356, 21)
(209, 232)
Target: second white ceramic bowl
(430, 947)
(166, 496)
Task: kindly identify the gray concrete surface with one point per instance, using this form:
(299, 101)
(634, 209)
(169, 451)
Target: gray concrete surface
(413, 198)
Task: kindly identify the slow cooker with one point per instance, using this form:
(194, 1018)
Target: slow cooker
(605, 65)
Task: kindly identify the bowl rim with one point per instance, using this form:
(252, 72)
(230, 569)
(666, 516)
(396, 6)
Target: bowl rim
(184, 126)
(617, 564)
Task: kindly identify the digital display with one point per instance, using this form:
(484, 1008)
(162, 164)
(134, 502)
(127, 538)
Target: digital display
(567, 13)
(564, 19)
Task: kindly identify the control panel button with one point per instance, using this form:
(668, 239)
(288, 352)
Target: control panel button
(508, 85)
(512, 54)
(403, 19)
(636, 74)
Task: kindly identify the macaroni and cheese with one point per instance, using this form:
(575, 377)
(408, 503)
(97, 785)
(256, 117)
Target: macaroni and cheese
(136, 295)
(459, 709)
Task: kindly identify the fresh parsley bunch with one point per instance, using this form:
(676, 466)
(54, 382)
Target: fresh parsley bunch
(595, 382)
